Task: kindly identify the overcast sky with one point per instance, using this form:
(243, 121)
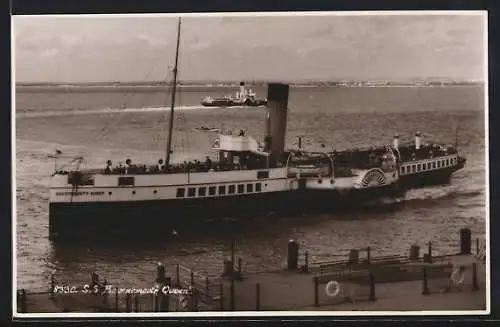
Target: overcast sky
(286, 48)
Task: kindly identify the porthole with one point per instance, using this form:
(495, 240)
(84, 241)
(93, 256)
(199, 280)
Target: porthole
(133, 192)
(109, 193)
(155, 191)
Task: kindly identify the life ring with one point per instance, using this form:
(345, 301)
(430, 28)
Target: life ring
(457, 276)
(332, 289)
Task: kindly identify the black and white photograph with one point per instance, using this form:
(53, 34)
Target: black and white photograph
(250, 164)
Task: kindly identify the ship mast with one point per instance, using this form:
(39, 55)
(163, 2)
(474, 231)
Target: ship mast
(172, 105)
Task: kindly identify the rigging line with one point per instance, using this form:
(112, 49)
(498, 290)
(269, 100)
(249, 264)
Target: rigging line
(113, 122)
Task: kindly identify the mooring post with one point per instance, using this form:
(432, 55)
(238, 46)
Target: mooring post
(177, 275)
(368, 255)
(194, 300)
(372, 286)
(257, 296)
(425, 286)
(221, 296)
(475, 285)
(128, 303)
(117, 309)
(136, 303)
(293, 255)
(232, 300)
(52, 286)
(316, 295)
(429, 251)
(21, 301)
(465, 241)
(240, 274)
(233, 245)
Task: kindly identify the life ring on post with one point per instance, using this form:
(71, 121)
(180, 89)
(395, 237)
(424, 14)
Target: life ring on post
(332, 289)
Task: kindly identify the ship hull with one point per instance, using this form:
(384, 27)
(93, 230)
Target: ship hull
(71, 221)
(429, 178)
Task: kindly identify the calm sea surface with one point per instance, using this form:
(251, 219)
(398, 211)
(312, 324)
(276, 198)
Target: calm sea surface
(116, 124)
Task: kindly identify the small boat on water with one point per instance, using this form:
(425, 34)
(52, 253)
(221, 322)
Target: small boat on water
(244, 97)
(248, 177)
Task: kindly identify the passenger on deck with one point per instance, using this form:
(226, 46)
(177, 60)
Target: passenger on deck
(160, 166)
(128, 165)
(242, 133)
(107, 170)
(208, 163)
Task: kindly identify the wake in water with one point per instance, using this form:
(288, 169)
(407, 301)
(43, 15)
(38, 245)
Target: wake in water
(116, 110)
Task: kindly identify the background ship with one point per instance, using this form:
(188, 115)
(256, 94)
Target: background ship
(244, 97)
(249, 178)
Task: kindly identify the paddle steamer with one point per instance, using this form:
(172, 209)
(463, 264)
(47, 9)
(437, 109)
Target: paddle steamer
(250, 177)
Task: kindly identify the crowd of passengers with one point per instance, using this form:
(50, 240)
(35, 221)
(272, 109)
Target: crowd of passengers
(185, 167)
(427, 151)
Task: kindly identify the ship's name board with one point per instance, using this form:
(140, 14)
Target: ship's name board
(78, 193)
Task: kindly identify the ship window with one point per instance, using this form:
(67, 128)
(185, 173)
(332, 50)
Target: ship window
(419, 167)
(77, 178)
(428, 165)
(231, 189)
(133, 192)
(413, 168)
(262, 174)
(191, 191)
(434, 165)
(258, 187)
(222, 189)
(155, 191)
(249, 188)
(202, 191)
(439, 164)
(109, 193)
(180, 192)
(241, 188)
(126, 181)
(442, 163)
(211, 190)
(402, 170)
(447, 162)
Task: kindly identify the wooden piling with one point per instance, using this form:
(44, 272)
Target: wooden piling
(257, 297)
(368, 254)
(52, 286)
(117, 309)
(221, 297)
(425, 286)
(192, 278)
(429, 251)
(475, 285)
(21, 301)
(136, 303)
(206, 286)
(316, 293)
(232, 295)
(372, 286)
(239, 269)
(177, 275)
(128, 304)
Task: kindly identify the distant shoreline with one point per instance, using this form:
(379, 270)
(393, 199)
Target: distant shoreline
(163, 85)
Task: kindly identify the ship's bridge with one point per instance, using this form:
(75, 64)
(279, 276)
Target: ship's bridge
(239, 143)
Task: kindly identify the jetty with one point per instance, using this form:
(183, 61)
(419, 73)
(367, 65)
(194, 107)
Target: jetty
(410, 282)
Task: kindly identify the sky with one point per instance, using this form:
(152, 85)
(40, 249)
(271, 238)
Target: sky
(250, 48)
